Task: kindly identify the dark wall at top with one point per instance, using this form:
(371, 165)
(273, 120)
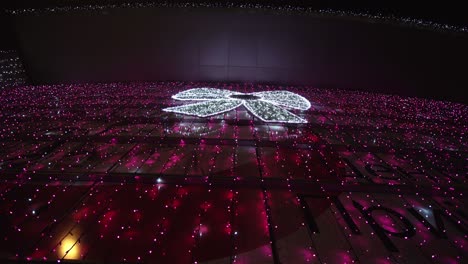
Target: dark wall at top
(239, 45)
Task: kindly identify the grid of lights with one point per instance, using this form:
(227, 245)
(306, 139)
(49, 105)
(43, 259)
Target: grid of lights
(85, 169)
(267, 105)
(11, 69)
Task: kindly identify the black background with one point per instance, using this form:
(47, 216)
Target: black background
(244, 45)
(206, 44)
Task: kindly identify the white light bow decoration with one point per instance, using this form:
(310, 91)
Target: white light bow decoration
(268, 106)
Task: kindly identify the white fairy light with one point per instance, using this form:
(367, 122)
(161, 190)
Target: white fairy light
(268, 106)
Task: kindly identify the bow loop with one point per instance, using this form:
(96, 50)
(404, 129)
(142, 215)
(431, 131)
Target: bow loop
(285, 98)
(197, 94)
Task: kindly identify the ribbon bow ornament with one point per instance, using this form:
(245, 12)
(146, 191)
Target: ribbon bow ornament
(269, 106)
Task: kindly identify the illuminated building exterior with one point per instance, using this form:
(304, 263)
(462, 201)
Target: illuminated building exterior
(101, 173)
(233, 132)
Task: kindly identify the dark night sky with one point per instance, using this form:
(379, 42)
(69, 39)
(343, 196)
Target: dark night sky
(449, 12)
(440, 11)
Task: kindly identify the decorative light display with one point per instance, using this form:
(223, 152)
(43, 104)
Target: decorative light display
(99, 173)
(264, 105)
(11, 69)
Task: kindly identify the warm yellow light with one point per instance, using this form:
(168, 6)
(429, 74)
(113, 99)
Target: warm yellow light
(68, 249)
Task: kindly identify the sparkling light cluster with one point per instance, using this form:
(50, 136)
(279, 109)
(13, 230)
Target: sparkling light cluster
(264, 105)
(12, 72)
(205, 109)
(268, 112)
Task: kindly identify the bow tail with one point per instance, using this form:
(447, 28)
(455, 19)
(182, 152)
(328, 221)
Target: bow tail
(204, 109)
(269, 112)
